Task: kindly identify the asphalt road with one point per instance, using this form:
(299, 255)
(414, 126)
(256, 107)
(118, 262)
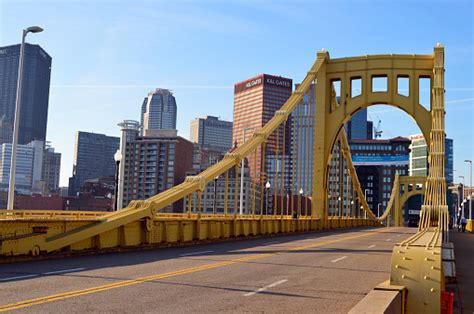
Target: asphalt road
(326, 272)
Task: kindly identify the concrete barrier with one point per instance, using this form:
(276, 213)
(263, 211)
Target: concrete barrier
(385, 298)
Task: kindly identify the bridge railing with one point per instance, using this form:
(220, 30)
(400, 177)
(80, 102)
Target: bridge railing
(49, 214)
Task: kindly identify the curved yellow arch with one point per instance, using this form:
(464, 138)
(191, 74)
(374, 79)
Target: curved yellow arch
(333, 112)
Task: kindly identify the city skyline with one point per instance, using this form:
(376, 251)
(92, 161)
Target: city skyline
(101, 94)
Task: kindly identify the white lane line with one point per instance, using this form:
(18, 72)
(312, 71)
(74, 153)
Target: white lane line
(43, 274)
(338, 259)
(19, 277)
(63, 271)
(248, 294)
(273, 242)
(398, 235)
(196, 253)
(372, 246)
(388, 240)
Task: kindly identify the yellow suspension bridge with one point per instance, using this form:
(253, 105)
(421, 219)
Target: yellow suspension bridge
(417, 273)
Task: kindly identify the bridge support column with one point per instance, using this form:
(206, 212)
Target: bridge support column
(320, 189)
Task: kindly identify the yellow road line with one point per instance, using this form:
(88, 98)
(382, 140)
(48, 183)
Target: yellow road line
(130, 282)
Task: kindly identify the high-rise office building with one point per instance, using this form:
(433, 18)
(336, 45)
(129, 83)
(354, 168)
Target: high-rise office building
(211, 132)
(38, 151)
(35, 97)
(51, 169)
(419, 157)
(37, 168)
(255, 102)
(93, 158)
(158, 111)
(301, 143)
(24, 167)
(376, 163)
(155, 163)
(358, 127)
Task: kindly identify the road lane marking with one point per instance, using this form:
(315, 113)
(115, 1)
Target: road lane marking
(63, 271)
(195, 253)
(338, 259)
(248, 294)
(19, 277)
(398, 235)
(372, 246)
(388, 240)
(42, 274)
(273, 242)
(136, 281)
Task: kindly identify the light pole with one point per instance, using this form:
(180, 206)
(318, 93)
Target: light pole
(462, 197)
(339, 206)
(16, 124)
(365, 197)
(118, 159)
(470, 187)
(301, 202)
(346, 194)
(214, 208)
(267, 187)
(378, 209)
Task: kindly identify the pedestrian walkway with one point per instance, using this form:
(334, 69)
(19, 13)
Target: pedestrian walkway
(464, 287)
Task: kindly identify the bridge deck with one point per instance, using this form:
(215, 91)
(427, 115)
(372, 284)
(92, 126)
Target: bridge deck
(463, 245)
(326, 272)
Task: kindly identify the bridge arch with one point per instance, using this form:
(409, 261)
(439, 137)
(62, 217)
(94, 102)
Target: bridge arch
(404, 187)
(338, 101)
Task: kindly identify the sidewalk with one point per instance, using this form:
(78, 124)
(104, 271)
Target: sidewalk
(464, 257)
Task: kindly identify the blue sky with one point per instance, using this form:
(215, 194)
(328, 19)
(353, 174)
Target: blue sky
(107, 55)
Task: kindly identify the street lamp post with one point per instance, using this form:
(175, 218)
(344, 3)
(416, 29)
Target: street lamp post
(339, 206)
(470, 187)
(267, 187)
(118, 159)
(301, 202)
(16, 124)
(462, 197)
(365, 197)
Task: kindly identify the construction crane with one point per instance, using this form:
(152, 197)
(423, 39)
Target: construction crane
(378, 130)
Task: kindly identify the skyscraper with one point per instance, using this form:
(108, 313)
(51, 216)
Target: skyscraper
(419, 157)
(93, 158)
(302, 139)
(255, 102)
(357, 127)
(35, 97)
(158, 111)
(24, 167)
(51, 168)
(211, 132)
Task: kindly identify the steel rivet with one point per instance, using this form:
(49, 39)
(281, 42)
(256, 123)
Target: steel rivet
(432, 289)
(403, 276)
